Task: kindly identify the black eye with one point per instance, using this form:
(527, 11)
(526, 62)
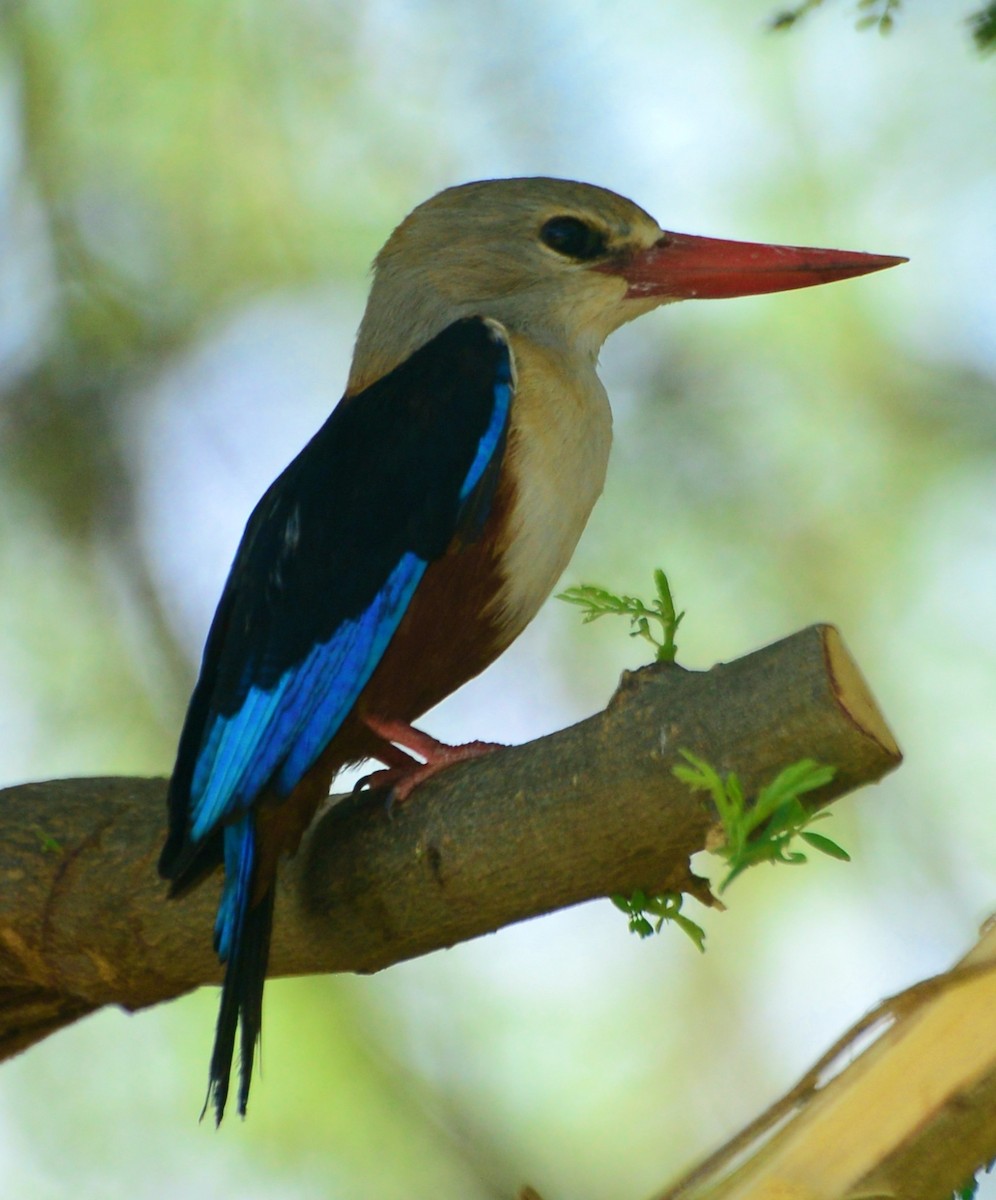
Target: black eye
(573, 238)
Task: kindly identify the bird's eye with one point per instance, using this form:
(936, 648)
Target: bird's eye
(573, 238)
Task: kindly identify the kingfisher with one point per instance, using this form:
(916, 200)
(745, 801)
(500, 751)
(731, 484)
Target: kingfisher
(419, 531)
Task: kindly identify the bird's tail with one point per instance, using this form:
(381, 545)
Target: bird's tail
(242, 938)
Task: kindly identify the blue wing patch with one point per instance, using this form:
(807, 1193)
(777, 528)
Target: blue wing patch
(277, 735)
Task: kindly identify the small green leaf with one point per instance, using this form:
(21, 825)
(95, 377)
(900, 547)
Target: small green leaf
(694, 931)
(787, 18)
(826, 846)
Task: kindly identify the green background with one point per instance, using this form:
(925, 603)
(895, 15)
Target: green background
(190, 194)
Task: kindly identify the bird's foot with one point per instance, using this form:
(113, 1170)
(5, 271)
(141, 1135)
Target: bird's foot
(403, 772)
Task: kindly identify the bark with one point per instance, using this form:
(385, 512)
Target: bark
(586, 812)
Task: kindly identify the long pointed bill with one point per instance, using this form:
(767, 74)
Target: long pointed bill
(685, 267)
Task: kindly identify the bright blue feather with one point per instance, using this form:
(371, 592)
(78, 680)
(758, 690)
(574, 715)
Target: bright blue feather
(355, 664)
(240, 855)
(493, 434)
(277, 735)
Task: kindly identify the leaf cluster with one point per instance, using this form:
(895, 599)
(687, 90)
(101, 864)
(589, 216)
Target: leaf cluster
(765, 830)
(665, 907)
(880, 15)
(760, 832)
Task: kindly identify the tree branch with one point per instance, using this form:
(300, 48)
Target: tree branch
(901, 1105)
(586, 812)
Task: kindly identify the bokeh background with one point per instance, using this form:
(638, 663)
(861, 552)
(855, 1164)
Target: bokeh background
(190, 194)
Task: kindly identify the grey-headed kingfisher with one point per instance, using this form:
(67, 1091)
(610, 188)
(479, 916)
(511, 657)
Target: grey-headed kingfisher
(419, 531)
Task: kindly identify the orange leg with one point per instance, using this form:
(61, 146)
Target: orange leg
(402, 771)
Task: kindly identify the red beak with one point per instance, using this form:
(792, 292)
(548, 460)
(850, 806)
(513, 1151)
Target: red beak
(685, 267)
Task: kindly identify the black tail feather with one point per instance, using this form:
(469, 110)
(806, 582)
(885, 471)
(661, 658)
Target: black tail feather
(241, 1007)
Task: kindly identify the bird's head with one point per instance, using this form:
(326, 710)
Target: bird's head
(564, 263)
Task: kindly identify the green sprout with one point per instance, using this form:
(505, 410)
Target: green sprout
(665, 906)
(598, 602)
(46, 842)
(763, 832)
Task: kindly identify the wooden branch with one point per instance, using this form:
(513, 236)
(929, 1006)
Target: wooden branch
(586, 812)
(902, 1106)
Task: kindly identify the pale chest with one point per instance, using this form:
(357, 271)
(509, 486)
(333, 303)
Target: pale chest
(558, 452)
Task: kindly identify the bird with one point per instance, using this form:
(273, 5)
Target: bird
(421, 528)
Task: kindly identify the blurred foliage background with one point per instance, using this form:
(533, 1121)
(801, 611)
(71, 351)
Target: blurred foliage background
(190, 194)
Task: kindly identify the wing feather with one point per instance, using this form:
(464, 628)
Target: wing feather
(329, 562)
